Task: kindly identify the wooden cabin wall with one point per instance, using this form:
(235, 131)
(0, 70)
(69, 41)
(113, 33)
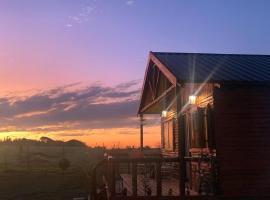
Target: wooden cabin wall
(204, 93)
(204, 97)
(242, 124)
(171, 115)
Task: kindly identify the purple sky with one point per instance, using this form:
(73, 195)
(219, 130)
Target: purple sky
(46, 45)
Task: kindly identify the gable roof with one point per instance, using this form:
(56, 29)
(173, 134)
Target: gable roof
(200, 67)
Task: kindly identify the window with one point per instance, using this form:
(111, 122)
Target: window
(198, 128)
(168, 135)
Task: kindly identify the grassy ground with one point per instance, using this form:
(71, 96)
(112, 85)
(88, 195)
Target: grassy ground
(40, 184)
(38, 180)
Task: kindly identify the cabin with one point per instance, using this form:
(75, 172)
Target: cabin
(215, 125)
(213, 104)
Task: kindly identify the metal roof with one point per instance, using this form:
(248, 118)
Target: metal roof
(200, 67)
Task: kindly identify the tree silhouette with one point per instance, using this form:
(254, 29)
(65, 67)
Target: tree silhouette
(64, 164)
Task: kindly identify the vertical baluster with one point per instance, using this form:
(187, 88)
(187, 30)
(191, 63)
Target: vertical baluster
(112, 165)
(134, 178)
(158, 178)
(93, 185)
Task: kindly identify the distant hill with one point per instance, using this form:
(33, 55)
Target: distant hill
(43, 141)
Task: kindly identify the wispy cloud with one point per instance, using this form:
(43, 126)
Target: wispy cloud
(70, 108)
(84, 15)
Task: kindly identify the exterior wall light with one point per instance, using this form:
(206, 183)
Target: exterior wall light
(164, 113)
(192, 99)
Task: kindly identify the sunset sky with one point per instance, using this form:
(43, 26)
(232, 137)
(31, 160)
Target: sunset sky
(74, 68)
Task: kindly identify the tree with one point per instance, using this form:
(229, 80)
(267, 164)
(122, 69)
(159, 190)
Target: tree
(75, 143)
(64, 164)
(46, 140)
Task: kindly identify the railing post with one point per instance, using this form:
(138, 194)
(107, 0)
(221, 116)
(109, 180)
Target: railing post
(93, 184)
(134, 178)
(112, 165)
(158, 177)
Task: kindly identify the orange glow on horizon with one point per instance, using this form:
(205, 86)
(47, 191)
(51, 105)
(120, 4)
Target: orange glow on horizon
(114, 137)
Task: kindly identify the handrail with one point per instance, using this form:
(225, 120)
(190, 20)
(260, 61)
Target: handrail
(145, 160)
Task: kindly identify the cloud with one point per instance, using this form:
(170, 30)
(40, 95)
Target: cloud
(71, 134)
(84, 15)
(130, 2)
(72, 107)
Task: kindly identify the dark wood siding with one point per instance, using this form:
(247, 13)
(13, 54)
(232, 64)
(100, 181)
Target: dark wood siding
(204, 93)
(171, 116)
(242, 125)
(204, 98)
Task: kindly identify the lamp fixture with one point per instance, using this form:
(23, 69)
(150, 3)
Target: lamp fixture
(164, 113)
(192, 99)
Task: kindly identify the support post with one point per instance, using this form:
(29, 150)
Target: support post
(134, 179)
(181, 142)
(141, 131)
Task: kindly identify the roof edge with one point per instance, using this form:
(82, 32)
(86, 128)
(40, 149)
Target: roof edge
(163, 68)
(207, 53)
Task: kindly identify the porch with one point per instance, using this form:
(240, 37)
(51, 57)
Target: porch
(139, 178)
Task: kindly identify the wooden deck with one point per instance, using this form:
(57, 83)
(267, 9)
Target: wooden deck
(170, 186)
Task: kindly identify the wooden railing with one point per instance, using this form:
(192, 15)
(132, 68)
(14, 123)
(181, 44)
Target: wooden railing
(110, 166)
(109, 169)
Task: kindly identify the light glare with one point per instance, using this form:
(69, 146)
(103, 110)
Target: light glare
(164, 113)
(192, 99)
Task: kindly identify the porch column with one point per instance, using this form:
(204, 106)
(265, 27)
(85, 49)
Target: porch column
(181, 142)
(141, 131)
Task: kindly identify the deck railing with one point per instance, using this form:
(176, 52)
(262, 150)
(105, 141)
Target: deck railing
(106, 189)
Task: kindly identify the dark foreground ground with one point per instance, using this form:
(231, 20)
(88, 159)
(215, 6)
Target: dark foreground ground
(41, 184)
(33, 172)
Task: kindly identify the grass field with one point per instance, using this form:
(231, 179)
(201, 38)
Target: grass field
(42, 185)
(32, 172)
